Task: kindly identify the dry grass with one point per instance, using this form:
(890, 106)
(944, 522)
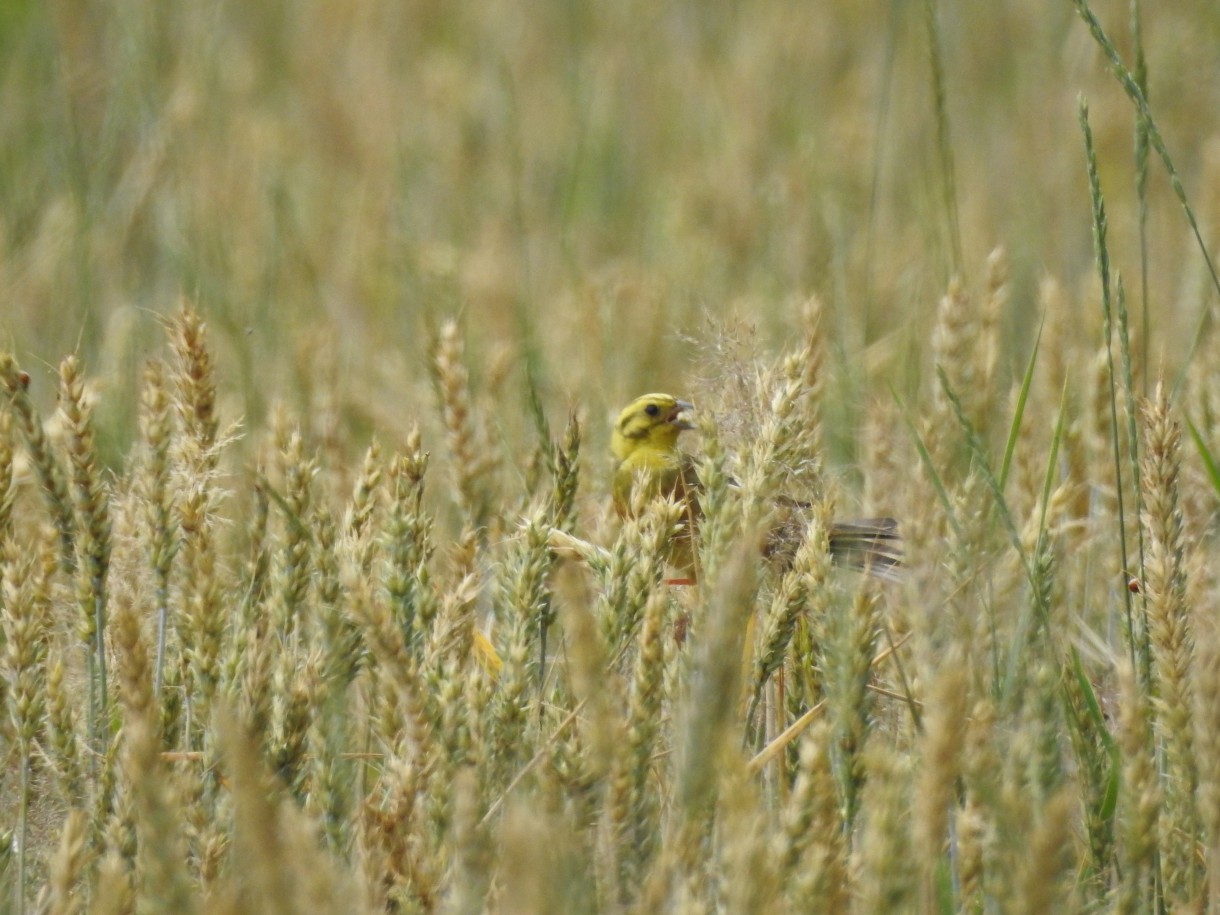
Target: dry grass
(310, 597)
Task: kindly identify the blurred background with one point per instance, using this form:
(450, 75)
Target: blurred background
(592, 189)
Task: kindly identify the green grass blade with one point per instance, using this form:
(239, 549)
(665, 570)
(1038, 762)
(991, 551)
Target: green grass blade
(1051, 462)
(979, 451)
(1209, 460)
(1014, 428)
(1132, 88)
(1102, 253)
(926, 458)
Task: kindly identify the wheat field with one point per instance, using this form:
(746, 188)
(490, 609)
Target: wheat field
(316, 317)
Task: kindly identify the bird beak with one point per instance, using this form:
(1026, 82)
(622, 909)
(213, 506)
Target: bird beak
(677, 419)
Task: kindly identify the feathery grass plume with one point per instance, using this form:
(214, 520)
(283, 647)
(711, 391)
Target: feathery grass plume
(201, 626)
(161, 880)
(1139, 799)
(360, 548)
(561, 775)
(784, 448)
(7, 495)
(292, 565)
(397, 669)
(522, 596)
(967, 575)
(884, 865)
(195, 386)
(937, 782)
(331, 727)
(887, 461)
(361, 515)
(478, 694)
(849, 657)
(996, 294)
(92, 505)
(746, 878)
(8, 492)
(199, 622)
(464, 556)
(65, 893)
(1041, 725)
(24, 618)
(951, 478)
(252, 690)
(457, 639)
(598, 690)
(801, 687)
(706, 742)
(405, 875)
(283, 869)
(214, 843)
(1047, 861)
(526, 608)
(1060, 343)
(1207, 748)
(1063, 366)
(811, 844)
(296, 689)
(561, 514)
(194, 785)
(810, 362)
(954, 348)
(446, 681)
(634, 802)
(330, 780)
(634, 569)
(1009, 796)
(984, 820)
(337, 636)
(113, 820)
(409, 547)
(196, 457)
(1169, 629)
(457, 672)
(473, 457)
(1036, 624)
(472, 850)
(113, 893)
(50, 474)
(1097, 768)
(153, 483)
(539, 870)
(246, 670)
(566, 474)
(63, 749)
(256, 570)
(802, 589)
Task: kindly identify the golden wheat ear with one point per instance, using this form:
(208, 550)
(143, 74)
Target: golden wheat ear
(871, 545)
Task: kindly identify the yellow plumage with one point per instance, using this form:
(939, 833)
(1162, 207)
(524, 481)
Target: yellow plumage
(645, 443)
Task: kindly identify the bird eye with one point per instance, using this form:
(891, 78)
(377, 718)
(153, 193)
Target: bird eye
(652, 409)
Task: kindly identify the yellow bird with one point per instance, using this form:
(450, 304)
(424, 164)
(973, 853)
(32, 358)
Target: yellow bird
(645, 443)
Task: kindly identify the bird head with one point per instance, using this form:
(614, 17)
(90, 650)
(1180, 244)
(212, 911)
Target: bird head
(651, 421)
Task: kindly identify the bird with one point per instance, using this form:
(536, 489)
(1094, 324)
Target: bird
(645, 445)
